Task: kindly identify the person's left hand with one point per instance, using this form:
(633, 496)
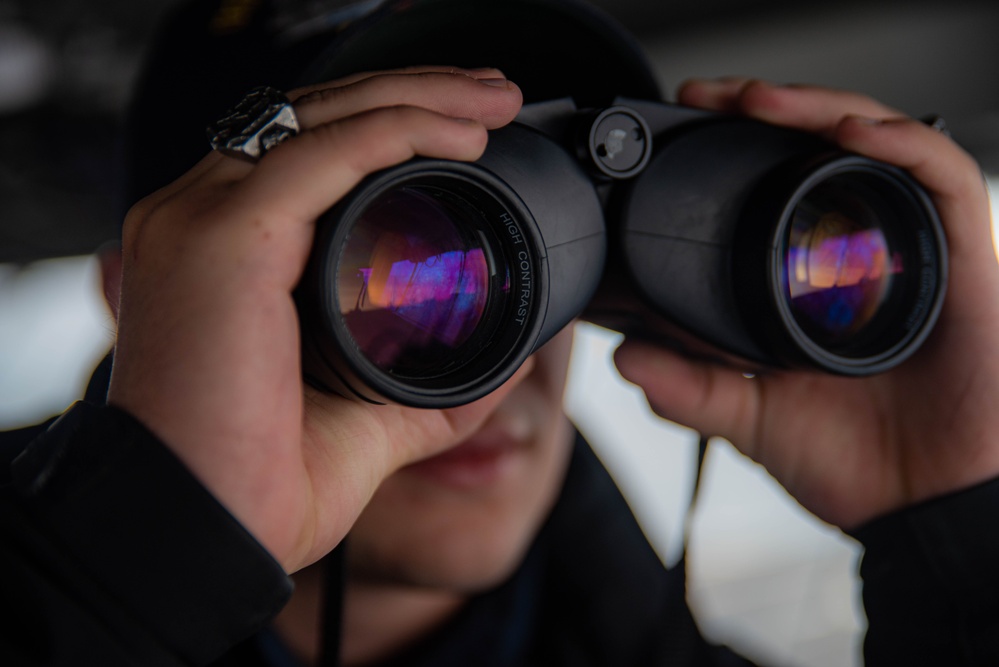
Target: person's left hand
(852, 449)
(207, 353)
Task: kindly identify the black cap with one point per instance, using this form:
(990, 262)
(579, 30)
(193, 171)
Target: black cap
(201, 65)
(550, 48)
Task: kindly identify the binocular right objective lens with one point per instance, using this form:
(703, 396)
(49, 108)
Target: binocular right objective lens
(860, 265)
(839, 265)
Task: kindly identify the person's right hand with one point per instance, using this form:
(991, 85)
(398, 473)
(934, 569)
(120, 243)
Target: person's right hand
(852, 449)
(207, 354)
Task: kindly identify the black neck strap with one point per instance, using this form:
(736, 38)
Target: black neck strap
(334, 582)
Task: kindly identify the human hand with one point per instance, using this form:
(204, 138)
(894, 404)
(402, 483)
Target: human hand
(207, 354)
(851, 449)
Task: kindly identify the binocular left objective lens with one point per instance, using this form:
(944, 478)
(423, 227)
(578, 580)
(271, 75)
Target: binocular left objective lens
(429, 284)
(414, 281)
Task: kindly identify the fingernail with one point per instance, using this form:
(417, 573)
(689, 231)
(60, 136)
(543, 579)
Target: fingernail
(498, 83)
(868, 121)
(483, 70)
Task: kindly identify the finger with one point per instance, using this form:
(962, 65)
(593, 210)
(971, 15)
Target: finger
(952, 176)
(492, 100)
(402, 435)
(480, 73)
(426, 435)
(479, 94)
(303, 177)
(807, 108)
(710, 398)
(955, 183)
(275, 202)
(712, 94)
(452, 94)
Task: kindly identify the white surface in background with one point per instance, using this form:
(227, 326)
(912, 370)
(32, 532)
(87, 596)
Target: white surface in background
(766, 577)
(54, 328)
(27, 67)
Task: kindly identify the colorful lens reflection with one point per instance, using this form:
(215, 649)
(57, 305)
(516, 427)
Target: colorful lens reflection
(413, 282)
(839, 268)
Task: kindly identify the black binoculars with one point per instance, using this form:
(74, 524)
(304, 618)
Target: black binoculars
(432, 281)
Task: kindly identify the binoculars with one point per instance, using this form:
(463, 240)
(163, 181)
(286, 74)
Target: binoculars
(433, 281)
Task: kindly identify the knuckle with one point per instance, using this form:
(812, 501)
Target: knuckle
(757, 95)
(133, 221)
(146, 213)
(752, 89)
(154, 221)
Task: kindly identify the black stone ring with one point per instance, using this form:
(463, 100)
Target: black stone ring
(261, 121)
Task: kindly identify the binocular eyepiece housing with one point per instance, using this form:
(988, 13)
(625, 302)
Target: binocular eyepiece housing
(433, 281)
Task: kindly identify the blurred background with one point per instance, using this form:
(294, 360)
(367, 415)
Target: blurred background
(765, 577)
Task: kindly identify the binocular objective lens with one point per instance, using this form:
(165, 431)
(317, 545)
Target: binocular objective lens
(839, 264)
(413, 282)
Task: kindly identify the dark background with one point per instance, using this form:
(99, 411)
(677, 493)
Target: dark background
(67, 66)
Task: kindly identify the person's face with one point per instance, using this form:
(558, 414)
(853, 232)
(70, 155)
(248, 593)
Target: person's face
(463, 520)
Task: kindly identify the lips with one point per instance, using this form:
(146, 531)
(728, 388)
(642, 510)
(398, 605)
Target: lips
(482, 460)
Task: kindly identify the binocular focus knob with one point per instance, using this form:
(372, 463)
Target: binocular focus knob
(619, 142)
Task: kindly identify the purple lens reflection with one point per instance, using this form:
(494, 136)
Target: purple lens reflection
(413, 282)
(839, 270)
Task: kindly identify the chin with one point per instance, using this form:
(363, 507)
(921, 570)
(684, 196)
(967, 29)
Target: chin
(473, 571)
(463, 545)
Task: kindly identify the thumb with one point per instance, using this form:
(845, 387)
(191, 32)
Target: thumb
(714, 400)
(418, 433)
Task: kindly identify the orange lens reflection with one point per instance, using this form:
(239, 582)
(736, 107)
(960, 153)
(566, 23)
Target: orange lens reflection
(413, 282)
